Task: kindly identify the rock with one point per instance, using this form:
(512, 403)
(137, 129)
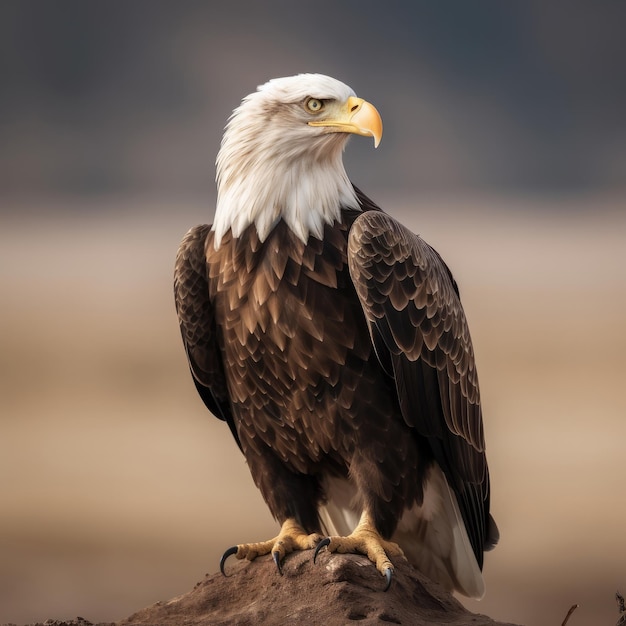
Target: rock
(339, 589)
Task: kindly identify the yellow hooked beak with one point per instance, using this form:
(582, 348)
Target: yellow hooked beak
(355, 116)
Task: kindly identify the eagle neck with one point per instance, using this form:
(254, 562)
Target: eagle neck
(306, 189)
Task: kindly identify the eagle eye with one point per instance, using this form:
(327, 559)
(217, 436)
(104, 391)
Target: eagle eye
(314, 105)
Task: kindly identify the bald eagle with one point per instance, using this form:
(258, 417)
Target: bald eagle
(332, 341)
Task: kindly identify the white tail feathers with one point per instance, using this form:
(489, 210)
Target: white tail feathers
(340, 515)
(434, 539)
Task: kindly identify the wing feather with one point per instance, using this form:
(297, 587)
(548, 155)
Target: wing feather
(412, 304)
(197, 324)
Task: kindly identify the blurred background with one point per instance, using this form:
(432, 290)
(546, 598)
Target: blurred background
(504, 147)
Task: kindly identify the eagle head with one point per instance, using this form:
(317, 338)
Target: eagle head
(281, 156)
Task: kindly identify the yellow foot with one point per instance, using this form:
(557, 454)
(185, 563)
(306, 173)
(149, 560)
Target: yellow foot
(365, 539)
(291, 537)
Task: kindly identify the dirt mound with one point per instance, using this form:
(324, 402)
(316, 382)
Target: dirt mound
(339, 589)
(79, 621)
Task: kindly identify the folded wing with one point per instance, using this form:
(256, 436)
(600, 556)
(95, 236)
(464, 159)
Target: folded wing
(421, 337)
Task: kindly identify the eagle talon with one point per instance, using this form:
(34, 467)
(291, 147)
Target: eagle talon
(388, 577)
(225, 556)
(322, 544)
(276, 557)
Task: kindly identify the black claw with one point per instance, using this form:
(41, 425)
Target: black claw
(388, 577)
(276, 557)
(322, 544)
(226, 554)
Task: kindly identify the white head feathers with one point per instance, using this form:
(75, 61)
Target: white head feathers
(272, 164)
